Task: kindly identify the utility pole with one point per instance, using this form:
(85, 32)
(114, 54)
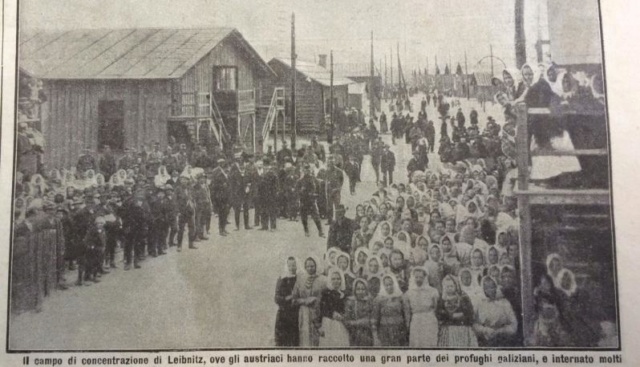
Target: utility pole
(372, 107)
(466, 74)
(294, 71)
(391, 65)
(520, 41)
(330, 141)
(491, 50)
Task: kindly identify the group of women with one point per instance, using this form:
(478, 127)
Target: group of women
(433, 264)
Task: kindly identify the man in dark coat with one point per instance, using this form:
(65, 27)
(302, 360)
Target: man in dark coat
(134, 226)
(387, 165)
(220, 194)
(186, 212)
(460, 118)
(86, 162)
(307, 188)
(352, 169)
(334, 180)
(376, 154)
(430, 134)
(415, 164)
(107, 163)
(267, 195)
(159, 225)
(473, 116)
(202, 197)
(341, 231)
(318, 148)
(283, 154)
(240, 181)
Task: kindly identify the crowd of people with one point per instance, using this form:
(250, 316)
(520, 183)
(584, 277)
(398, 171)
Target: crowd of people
(433, 261)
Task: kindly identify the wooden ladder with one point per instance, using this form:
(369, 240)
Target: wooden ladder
(277, 105)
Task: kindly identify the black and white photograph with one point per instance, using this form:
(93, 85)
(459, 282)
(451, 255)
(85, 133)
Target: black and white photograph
(382, 174)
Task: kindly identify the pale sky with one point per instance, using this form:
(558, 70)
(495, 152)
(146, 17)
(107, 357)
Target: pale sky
(424, 28)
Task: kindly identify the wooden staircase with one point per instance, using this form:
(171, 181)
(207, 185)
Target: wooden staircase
(276, 106)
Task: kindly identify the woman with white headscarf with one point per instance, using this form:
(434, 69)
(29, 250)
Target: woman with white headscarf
(470, 285)
(554, 266)
(389, 319)
(577, 310)
(420, 303)
(286, 329)
(455, 316)
(495, 322)
(333, 333)
(306, 294)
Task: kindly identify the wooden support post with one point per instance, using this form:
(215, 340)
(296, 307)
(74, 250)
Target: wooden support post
(524, 209)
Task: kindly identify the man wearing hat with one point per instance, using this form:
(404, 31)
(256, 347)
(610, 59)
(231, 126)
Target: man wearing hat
(86, 161)
(159, 222)
(352, 169)
(267, 196)
(202, 197)
(341, 231)
(387, 165)
(307, 188)
(240, 191)
(220, 194)
(172, 214)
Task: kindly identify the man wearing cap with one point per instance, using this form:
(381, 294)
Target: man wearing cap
(307, 188)
(134, 222)
(267, 196)
(257, 171)
(220, 194)
(111, 227)
(86, 161)
(387, 164)
(172, 214)
(341, 231)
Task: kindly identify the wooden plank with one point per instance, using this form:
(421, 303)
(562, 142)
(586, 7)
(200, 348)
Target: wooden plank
(526, 273)
(577, 152)
(547, 111)
(566, 197)
(522, 146)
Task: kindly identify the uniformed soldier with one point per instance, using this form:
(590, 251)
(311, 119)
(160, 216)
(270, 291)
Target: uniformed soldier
(352, 169)
(307, 189)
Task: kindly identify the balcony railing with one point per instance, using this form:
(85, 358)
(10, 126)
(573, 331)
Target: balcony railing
(197, 104)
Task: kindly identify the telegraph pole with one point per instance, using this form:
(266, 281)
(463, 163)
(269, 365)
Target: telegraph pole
(391, 66)
(466, 72)
(330, 141)
(294, 127)
(372, 107)
(520, 41)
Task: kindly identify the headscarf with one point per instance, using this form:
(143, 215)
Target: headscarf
(472, 290)
(162, 177)
(412, 281)
(403, 245)
(380, 267)
(550, 258)
(450, 256)
(366, 286)
(499, 253)
(330, 273)
(377, 233)
(573, 287)
(327, 257)
(308, 277)
(456, 293)
(356, 266)
(396, 287)
(487, 278)
(348, 270)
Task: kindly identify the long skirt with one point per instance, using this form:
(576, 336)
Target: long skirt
(457, 336)
(335, 333)
(393, 335)
(309, 336)
(361, 336)
(286, 330)
(423, 331)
